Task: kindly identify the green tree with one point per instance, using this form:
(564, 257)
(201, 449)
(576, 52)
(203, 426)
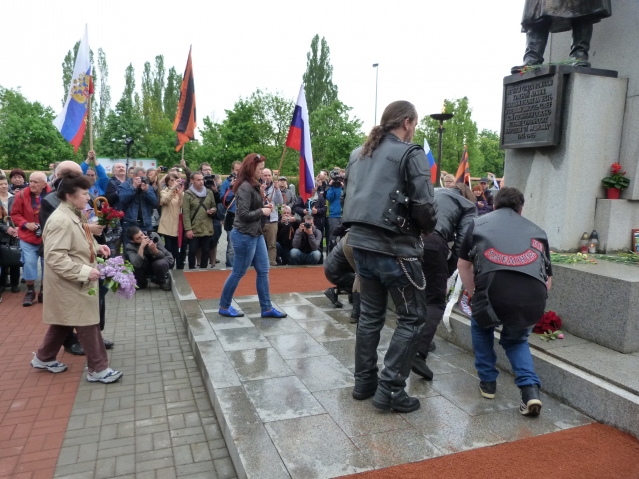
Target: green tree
(334, 135)
(172, 93)
(493, 156)
(461, 130)
(28, 138)
(318, 78)
(104, 105)
(159, 83)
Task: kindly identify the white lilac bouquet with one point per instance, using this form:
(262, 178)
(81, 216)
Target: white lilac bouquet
(118, 276)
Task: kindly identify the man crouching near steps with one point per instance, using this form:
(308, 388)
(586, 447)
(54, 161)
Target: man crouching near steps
(504, 263)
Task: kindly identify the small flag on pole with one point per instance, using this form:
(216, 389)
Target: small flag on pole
(463, 172)
(71, 121)
(431, 161)
(184, 123)
(299, 138)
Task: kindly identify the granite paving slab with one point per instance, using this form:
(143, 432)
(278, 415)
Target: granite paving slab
(509, 425)
(327, 330)
(219, 322)
(449, 428)
(242, 338)
(391, 448)
(321, 372)
(271, 326)
(309, 455)
(288, 299)
(357, 418)
(305, 312)
(300, 345)
(281, 398)
(250, 364)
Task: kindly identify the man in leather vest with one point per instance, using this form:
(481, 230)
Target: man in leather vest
(455, 213)
(388, 204)
(542, 17)
(510, 259)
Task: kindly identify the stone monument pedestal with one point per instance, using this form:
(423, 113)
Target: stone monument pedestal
(562, 184)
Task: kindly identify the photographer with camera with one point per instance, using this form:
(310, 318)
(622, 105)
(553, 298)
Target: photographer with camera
(285, 233)
(137, 200)
(211, 183)
(25, 215)
(272, 195)
(333, 197)
(149, 257)
(307, 244)
(96, 174)
(227, 200)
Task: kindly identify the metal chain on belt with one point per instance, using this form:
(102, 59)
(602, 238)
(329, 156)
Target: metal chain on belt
(400, 261)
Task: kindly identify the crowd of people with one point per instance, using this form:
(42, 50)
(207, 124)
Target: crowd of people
(379, 227)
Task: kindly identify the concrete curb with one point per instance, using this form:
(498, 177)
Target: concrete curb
(592, 395)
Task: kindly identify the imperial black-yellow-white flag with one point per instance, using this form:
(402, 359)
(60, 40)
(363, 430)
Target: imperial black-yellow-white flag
(184, 123)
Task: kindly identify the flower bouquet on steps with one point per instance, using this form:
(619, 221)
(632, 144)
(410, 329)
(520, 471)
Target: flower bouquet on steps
(118, 277)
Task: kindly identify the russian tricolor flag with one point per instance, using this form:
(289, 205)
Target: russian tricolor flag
(71, 122)
(431, 162)
(299, 138)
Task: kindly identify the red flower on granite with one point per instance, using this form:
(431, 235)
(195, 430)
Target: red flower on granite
(549, 321)
(616, 168)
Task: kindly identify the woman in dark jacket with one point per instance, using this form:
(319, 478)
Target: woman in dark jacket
(480, 201)
(8, 236)
(248, 242)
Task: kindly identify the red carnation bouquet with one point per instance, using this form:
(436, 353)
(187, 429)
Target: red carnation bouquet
(110, 217)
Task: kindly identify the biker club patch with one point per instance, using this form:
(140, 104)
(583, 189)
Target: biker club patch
(497, 257)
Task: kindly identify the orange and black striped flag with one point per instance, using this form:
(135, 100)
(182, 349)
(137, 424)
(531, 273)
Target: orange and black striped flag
(463, 172)
(184, 123)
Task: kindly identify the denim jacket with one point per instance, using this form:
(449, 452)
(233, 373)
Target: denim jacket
(129, 203)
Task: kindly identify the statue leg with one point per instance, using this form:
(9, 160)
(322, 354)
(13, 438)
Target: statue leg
(581, 36)
(536, 39)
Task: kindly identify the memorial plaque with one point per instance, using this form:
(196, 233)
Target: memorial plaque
(532, 109)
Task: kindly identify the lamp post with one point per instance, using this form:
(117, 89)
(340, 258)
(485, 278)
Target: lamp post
(441, 117)
(376, 67)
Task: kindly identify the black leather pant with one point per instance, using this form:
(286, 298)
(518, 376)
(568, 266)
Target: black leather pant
(380, 275)
(435, 267)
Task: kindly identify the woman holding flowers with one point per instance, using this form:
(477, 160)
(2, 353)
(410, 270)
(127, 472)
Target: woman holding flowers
(70, 273)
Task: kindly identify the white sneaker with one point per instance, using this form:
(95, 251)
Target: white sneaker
(107, 376)
(51, 366)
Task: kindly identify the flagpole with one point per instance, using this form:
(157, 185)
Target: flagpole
(279, 171)
(90, 124)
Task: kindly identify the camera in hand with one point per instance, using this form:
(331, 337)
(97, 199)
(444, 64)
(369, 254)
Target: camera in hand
(209, 181)
(233, 176)
(145, 180)
(337, 178)
(308, 225)
(38, 231)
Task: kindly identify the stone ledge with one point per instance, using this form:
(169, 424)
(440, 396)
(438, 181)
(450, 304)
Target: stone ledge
(241, 436)
(592, 395)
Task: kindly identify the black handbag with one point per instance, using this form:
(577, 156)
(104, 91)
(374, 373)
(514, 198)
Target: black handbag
(10, 255)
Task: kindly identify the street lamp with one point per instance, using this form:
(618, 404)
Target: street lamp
(441, 118)
(376, 67)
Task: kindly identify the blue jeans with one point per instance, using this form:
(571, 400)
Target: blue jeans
(248, 250)
(515, 344)
(229, 250)
(30, 258)
(297, 257)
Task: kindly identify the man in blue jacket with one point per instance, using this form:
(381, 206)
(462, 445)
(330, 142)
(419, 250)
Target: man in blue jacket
(137, 200)
(96, 173)
(333, 197)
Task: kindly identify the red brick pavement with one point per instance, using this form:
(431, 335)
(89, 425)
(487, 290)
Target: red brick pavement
(35, 405)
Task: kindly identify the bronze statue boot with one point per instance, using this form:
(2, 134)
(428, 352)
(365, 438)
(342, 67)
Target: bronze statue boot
(581, 36)
(536, 40)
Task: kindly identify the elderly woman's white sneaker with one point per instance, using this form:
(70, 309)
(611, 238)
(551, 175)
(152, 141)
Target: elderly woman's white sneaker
(51, 366)
(107, 376)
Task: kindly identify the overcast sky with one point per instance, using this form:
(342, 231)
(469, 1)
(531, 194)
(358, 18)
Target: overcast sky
(427, 50)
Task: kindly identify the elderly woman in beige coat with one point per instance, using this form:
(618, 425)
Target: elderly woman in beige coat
(69, 273)
(171, 197)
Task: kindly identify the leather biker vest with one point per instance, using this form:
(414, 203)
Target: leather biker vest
(506, 241)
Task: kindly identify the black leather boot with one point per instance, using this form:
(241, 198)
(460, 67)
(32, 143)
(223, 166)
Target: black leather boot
(356, 308)
(581, 36)
(420, 367)
(535, 46)
(398, 401)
